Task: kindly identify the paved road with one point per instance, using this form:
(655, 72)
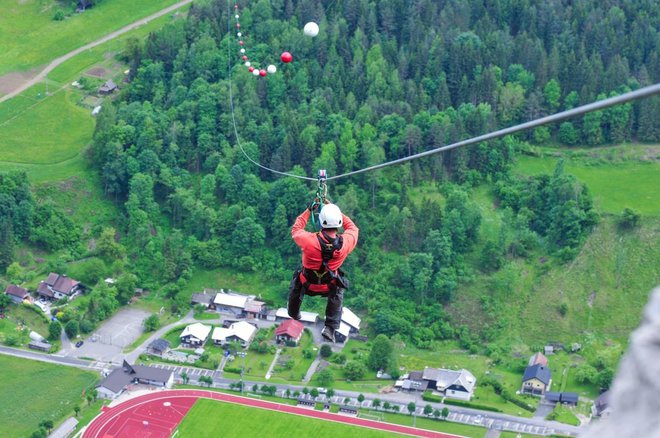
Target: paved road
(53, 64)
(50, 358)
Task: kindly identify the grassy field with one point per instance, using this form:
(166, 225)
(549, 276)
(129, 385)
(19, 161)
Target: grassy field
(52, 131)
(36, 391)
(614, 185)
(30, 37)
(208, 417)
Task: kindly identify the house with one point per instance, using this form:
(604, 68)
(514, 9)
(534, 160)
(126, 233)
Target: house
(536, 380)
(601, 407)
(342, 333)
(242, 332)
(413, 381)
(454, 384)
(205, 298)
(108, 87)
(538, 358)
(115, 383)
(40, 346)
(351, 319)
(289, 331)
(254, 309)
(158, 347)
(195, 335)
(306, 317)
(18, 294)
(58, 286)
(230, 302)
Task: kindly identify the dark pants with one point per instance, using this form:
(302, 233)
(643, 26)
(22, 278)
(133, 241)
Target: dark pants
(332, 309)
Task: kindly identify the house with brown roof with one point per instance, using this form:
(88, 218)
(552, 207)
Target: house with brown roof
(108, 87)
(58, 286)
(538, 358)
(289, 331)
(18, 294)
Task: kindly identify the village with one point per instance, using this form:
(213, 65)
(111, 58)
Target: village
(182, 355)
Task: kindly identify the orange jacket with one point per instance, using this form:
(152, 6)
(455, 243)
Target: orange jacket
(311, 249)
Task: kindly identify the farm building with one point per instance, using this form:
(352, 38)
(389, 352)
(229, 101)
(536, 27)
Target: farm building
(458, 384)
(205, 298)
(108, 87)
(58, 286)
(538, 358)
(18, 294)
(343, 332)
(351, 319)
(158, 347)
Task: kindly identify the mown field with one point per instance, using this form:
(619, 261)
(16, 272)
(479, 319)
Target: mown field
(210, 418)
(30, 37)
(614, 184)
(31, 392)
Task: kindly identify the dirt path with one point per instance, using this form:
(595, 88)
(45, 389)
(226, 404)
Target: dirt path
(21, 85)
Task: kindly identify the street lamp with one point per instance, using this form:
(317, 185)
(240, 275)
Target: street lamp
(415, 386)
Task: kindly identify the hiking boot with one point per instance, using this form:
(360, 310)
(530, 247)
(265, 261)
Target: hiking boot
(328, 334)
(297, 317)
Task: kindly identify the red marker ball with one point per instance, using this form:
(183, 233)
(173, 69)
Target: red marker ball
(286, 57)
(262, 72)
(245, 58)
(240, 43)
(235, 6)
(238, 25)
(251, 69)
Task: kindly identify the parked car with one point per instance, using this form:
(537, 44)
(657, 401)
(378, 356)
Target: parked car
(79, 344)
(478, 419)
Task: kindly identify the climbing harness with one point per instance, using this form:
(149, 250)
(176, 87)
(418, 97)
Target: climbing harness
(320, 198)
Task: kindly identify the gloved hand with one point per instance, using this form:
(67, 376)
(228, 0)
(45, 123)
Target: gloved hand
(313, 206)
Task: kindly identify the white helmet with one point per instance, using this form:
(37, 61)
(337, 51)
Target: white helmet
(330, 216)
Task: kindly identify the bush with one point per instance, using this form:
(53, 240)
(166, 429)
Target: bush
(232, 370)
(326, 350)
(470, 405)
(59, 15)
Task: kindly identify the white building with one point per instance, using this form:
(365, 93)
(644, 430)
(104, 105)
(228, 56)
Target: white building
(454, 384)
(307, 317)
(351, 319)
(242, 332)
(195, 334)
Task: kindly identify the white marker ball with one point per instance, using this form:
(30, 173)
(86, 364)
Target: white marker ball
(311, 29)
(248, 63)
(271, 69)
(255, 72)
(239, 34)
(242, 50)
(236, 16)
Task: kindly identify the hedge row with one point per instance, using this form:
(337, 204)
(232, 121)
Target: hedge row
(470, 405)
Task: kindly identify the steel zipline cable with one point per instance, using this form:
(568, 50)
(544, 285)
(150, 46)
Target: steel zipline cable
(641, 93)
(616, 100)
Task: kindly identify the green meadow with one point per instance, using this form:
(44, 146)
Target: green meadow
(38, 391)
(614, 185)
(29, 36)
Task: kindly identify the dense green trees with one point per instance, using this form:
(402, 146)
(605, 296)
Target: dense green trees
(371, 88)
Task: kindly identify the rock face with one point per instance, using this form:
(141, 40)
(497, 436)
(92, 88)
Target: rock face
(635, 394)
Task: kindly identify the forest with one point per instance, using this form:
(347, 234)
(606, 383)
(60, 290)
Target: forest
(383, 80)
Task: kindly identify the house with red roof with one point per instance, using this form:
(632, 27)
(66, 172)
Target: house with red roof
(289, 331)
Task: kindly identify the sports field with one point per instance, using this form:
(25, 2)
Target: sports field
(158, 415)
(29, 36)
(209, 418)
(31, 392)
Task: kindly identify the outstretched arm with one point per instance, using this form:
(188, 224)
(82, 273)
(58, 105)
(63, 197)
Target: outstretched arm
(300, 236)
(351, 232)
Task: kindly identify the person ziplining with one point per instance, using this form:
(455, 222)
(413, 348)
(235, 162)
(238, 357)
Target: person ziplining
(323, 254)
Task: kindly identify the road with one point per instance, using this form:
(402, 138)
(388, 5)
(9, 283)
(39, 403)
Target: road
(56, 62)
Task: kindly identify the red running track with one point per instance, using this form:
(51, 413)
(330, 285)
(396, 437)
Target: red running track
(157, 415)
